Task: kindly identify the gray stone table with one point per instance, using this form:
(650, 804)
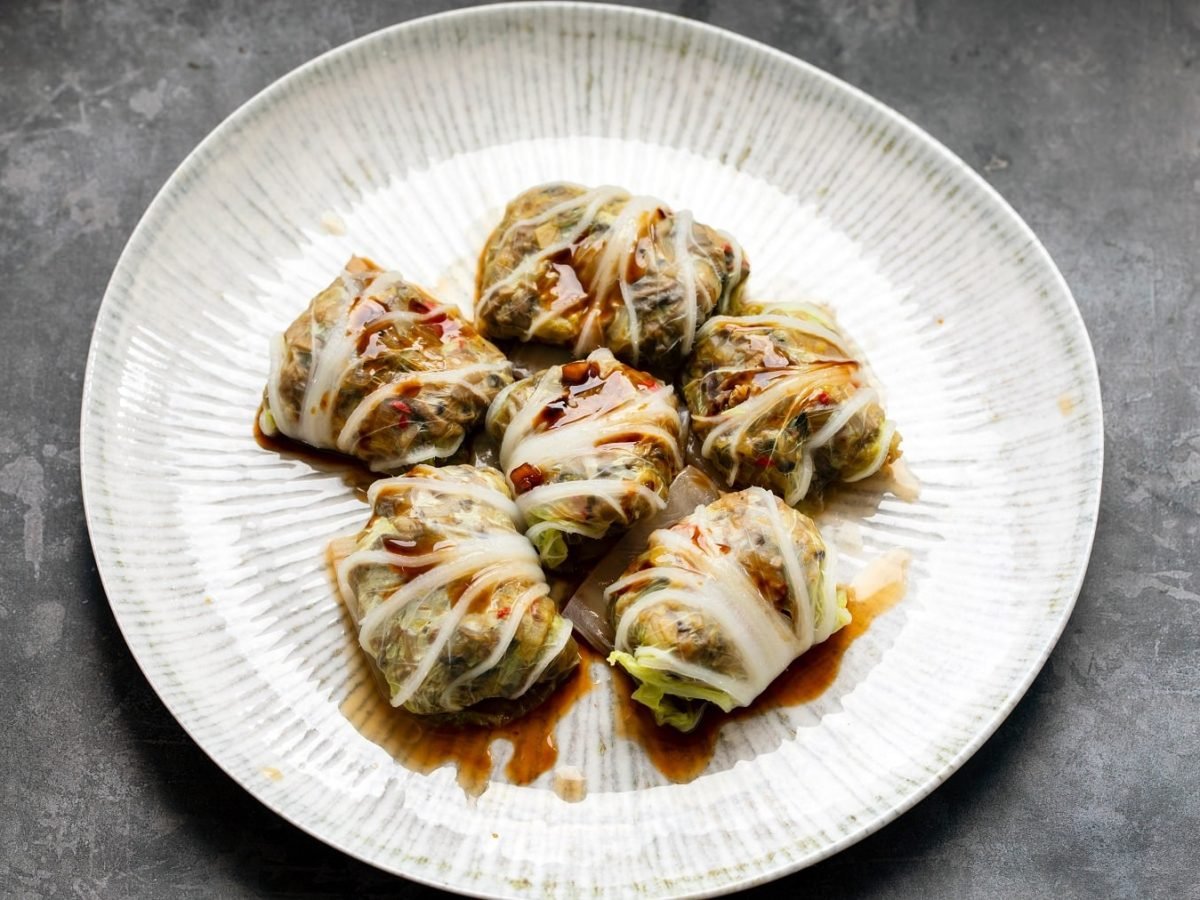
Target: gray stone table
(1086, 116)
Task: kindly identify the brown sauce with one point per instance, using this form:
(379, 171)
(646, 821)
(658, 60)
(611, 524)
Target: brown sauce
(424, 544)
(423, 746)
(363, 314)
(590, 399)
(416, 744)
(683, 757)
(354, 475)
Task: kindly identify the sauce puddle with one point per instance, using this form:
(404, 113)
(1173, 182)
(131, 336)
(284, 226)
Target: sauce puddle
(354, 475)
(423, 747)
(683, 757)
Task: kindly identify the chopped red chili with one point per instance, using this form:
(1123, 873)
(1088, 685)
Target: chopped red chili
(695, 535)
(403, 412)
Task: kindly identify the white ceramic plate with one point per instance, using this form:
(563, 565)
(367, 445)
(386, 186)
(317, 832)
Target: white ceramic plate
(414, 137)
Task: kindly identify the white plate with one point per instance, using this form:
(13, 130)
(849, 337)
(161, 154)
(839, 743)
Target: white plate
(414, 137)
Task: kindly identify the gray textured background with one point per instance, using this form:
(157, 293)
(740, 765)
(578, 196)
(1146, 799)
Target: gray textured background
(1086, 116)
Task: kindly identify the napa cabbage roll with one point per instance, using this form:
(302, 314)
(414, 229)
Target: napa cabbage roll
(590, 268)
(451, 605)
(378, 369)
(589, 447)
(720, 603)
(778, 400)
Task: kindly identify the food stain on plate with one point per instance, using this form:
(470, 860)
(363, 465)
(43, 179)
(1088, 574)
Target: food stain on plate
(422, 746)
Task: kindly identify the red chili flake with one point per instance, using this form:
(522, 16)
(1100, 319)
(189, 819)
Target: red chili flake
(642, 381)
(763, 461)
(824, 399)
(503, 612)
(404, 410)
(526, 477)
(419, 306)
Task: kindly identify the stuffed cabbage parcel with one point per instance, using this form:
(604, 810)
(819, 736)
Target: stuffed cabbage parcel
(600, 268)
(378, 369)
(779, 401)
(589, 447)
(720, 603)
(450, 602)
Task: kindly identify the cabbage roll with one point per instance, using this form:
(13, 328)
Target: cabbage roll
(721, 603)
(779, 401)
(378, 369)
(589, 448)
(450, 602)
(600, 268)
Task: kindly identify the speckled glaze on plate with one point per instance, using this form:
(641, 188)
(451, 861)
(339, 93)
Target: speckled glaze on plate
(404, 146)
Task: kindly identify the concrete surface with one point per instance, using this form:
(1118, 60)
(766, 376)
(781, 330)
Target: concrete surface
(1086, 116)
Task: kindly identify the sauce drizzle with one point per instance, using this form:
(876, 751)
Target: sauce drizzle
(683, 757)
(355, 476)
(422, 746)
